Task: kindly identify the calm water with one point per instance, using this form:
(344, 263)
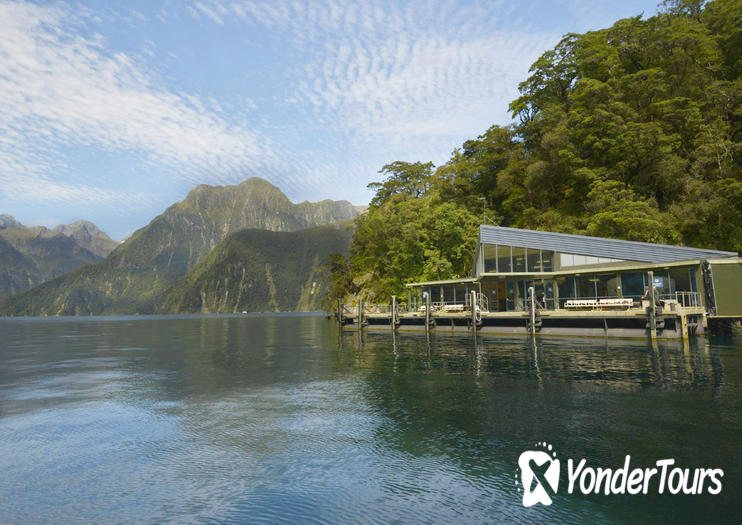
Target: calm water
(266, 419)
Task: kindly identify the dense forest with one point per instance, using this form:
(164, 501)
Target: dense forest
(632, 132)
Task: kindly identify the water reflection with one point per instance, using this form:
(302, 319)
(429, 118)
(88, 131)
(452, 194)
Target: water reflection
(621, 363)
(286, 418)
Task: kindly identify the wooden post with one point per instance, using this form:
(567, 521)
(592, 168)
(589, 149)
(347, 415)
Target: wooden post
(532, 303)
(474, 312)
(339, 312)
(360, 313)
(652, 312)
(684, 325)
(394, 313)
(427, 312)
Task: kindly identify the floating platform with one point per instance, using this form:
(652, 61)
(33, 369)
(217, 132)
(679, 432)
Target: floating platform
(672, 323)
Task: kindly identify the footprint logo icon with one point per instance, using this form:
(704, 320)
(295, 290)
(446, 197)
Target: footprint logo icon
(539, 473)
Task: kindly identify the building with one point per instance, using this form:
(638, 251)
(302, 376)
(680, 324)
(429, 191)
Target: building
(526, 280)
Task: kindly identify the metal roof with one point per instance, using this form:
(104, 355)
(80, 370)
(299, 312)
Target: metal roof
(594, 246)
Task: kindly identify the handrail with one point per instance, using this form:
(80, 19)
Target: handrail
(688, 299)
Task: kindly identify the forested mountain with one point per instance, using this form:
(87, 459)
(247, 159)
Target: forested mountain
(260, 270)
(632, 132)
(33, 255)
(17, 272)
(135, 277)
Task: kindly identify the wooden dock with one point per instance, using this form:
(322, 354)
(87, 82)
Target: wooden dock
(670, 321)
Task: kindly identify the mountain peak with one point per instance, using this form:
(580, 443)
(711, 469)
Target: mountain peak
(8, 221)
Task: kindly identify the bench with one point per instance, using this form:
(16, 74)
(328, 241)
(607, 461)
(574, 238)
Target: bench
(452, 308)
(603, 304)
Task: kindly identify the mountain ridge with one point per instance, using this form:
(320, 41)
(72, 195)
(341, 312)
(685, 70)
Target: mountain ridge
(46, 253)
(139, 272)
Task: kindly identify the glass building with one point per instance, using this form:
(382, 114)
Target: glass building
(564, 267)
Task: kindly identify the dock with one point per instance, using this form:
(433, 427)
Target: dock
(676, 319)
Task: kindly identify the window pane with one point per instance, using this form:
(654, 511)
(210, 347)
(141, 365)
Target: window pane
(607, 285)
(534, 260)
(662, 282)
(632, 284)
(489, 258)
(519, 259)
(586, 286)
(565, 289)
(547, 260)
(680, 280)
(503, 259)
(510, 300)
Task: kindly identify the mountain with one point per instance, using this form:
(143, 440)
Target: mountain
(8, 221)
(53, 255)
(87, 235)
(33, 255)
(260, 270)
(138, 273)
(17, 272)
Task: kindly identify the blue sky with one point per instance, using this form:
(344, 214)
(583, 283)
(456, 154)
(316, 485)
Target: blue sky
(112, 111)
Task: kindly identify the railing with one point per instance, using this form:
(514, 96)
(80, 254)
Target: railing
(482, 302)
(688, 299)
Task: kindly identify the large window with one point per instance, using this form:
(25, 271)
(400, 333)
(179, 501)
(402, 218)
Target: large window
(534, 260)
(510, 296)
(632, 284)
(565, 289)
(606, 285)
(489, 252)
(519, 259)
(680, 280)
(503, 259)
(547, 260)
(586, 286)
(567, 260)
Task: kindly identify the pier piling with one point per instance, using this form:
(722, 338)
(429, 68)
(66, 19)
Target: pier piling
(360, 313)
(532, 308)
(652, 312)
(394, 313)
(427, 312)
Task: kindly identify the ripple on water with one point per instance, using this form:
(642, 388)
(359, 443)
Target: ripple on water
(280, 419)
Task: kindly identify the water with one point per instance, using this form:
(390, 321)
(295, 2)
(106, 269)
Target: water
(280, 419)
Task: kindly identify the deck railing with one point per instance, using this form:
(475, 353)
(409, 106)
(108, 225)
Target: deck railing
(688, 299)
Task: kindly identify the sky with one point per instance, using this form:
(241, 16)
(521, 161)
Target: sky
(112, 111)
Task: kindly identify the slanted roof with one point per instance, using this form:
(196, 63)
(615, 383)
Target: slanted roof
(594, 246)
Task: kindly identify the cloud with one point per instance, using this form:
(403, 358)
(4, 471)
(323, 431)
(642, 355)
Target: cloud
(60, 89)
(34, 190)
(384, 69)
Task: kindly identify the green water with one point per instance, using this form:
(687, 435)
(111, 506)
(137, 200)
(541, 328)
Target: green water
(281, 419)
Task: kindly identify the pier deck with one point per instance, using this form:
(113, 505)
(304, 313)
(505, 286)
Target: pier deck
(674, 322)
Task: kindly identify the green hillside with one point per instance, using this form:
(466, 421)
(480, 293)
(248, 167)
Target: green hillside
(17, 272)
(139, 272)
(33, 255)
(631, 132)
(258, 270)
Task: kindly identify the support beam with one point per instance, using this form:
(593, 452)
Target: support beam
(360, 313)
(684, 325)
(394, 313)
(427, 312)
(532, 304)
(474, 312)
(652, 311)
